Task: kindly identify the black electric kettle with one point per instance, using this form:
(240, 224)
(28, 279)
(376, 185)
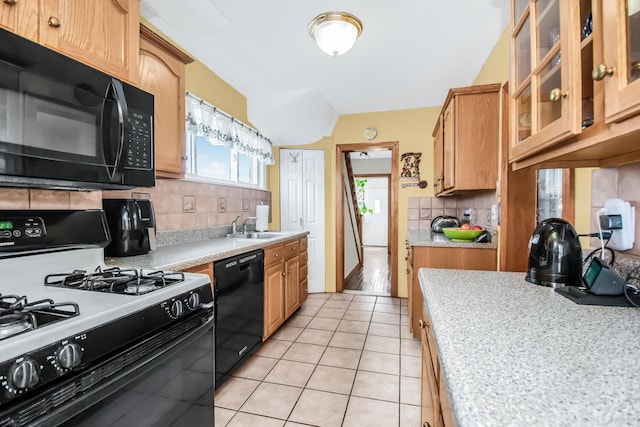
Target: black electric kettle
(555, 255)
(132, 225)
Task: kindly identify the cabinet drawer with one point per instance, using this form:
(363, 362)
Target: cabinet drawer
(273, 254)
(304, 271)
(291, 249)
(304, 257)
(303, 244)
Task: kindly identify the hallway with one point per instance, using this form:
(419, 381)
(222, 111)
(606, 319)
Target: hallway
(374, 276)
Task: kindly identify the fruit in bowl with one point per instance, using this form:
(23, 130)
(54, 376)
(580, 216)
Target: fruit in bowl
(463, 234)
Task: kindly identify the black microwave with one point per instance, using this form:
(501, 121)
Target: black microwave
(64, 124)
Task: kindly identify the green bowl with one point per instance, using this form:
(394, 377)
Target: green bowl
(458, 235)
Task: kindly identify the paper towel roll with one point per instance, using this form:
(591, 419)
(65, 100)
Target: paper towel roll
(262, 217)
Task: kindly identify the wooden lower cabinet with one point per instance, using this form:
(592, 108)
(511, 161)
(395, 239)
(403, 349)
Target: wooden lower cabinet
(285, 281)
(273, 298)
(206, 268)
(441, 257)
(435, 408)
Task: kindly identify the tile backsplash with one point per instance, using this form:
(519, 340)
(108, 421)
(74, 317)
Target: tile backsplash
(423, 209)
(179, 205)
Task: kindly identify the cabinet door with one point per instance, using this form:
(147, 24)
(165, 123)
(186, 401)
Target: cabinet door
(20, 17)
(438, 157)
(546, 75)
(101, 33)
(273, 299)
(449, 137)
(292, 285)
(621, 68)
(163, 75)
(430, 405)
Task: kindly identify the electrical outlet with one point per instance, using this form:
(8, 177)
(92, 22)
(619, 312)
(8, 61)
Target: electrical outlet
(622, 239)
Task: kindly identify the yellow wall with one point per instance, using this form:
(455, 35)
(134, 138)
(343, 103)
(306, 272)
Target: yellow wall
(496, 67)
(412, 129)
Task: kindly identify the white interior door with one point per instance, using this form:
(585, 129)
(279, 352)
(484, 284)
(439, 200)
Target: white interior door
(375, 224)
(302, 207)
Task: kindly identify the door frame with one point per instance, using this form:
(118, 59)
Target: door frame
(341, 150)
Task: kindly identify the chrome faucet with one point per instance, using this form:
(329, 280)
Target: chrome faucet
(234, 226)
(244, 224)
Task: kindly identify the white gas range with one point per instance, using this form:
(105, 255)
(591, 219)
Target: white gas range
(73, 330)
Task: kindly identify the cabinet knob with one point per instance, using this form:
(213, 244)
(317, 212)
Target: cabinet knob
(284, 274)
(601, 71)
(10, 2)
(185, 157)
(53, 22)
(556, 94)
(276, 255)
(422, 324)
(426, 424)
(407, 271)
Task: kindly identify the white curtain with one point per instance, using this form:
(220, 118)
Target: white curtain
(220, 128)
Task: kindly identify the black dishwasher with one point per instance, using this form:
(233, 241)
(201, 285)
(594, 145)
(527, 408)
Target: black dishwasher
(239, 298)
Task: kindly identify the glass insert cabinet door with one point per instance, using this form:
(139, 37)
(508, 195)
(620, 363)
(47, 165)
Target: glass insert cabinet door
(621, 67)
(545, 79)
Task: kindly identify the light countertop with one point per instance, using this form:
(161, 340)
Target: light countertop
(514, 353)
(429, 238)
(181, 256)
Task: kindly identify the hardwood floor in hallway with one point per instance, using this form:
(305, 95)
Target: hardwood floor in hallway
(374, 276)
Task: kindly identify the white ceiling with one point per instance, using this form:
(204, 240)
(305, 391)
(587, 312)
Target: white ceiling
(409, 54)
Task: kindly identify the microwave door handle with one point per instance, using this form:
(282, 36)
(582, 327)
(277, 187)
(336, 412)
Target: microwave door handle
(117, 91)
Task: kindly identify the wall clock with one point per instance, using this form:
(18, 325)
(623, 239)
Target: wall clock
(370, 133)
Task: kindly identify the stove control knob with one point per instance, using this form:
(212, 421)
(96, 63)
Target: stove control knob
(177, 308)
(194, 301)
(24, 374)
(69, 356)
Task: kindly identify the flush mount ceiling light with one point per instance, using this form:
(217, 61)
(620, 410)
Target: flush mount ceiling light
(335, 32)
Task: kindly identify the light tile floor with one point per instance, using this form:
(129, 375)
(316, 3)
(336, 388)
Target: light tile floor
(341, 360)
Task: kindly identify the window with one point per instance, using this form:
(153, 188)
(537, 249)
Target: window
(220, 163)
(223, 149)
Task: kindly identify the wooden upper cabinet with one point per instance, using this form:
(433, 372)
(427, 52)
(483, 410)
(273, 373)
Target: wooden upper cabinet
(438, 156)
(20, 17)
(466, 140)
(593, 120)
(621, 67)
(546, 74)
(100, 33)
(162, 73)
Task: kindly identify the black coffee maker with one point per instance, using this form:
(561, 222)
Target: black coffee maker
(132, 224)
(555, 255)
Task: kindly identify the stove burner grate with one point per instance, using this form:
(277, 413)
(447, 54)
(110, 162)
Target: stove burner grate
(116, 280)
(17, 315)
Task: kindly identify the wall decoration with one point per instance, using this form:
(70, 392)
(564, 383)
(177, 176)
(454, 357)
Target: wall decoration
(189, 204)
(410, 166)
(222, 205)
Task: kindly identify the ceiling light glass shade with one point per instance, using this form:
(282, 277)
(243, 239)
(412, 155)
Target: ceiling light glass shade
(335, 32)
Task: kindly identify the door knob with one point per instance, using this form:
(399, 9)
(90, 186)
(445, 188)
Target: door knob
(601, 71)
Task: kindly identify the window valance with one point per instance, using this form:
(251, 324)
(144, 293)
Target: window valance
(220, 128)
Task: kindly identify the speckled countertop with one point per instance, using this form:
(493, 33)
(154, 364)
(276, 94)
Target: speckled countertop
(514, 353)
(429, 238)
(181, 256)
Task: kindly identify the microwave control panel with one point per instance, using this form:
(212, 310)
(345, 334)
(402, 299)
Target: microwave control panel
(139, 141)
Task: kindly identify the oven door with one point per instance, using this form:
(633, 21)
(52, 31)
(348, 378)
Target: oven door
(171, 386)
